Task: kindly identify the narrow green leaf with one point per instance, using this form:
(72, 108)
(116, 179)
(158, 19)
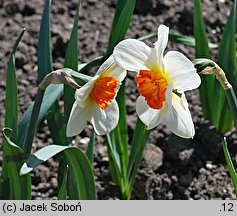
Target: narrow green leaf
(227, 61)
(230, 165)
(139, 140)
(62, 179)
(44, 44)
(62, 193)
(118, 143)
(49, 97)
(45, 66)
(71, 61)
(232, 100)
(203, 51)
(117, 140)
(11, 114)
(11, 111)
(56, 126)
(90, 147)
(123, 14)
(93, 63)
(114, 160)
(81, 184)
(20, 186)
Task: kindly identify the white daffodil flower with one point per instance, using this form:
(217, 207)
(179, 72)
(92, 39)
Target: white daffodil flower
(95, 101)
(161, 82)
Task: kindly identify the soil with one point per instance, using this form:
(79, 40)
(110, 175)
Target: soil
(172, 168)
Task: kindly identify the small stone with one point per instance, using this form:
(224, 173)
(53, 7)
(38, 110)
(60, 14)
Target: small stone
(152, 157)
(84, 141)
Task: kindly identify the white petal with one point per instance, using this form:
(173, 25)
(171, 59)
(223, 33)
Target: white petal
(181, 124)
(104, 121)
(82, 94)
(181, 71)
(146, 114)
(161, 43)
(115, 71)
(134, 55)
(168, 95)
(77, 120)
(108, 63)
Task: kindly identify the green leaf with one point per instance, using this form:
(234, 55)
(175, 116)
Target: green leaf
(44, 44)
(20, 186)
(71, 61)
(232, 100)
(118, 143)
(123, 14)
(227, 61)
(114, 160)
(48, 99)
(90, 147)
(230, 165)
(11, 114)
(56, 126)
(62, 179)
(139, 140)
(93, 63)
(81, 184)
(203, 51)
(45, 66)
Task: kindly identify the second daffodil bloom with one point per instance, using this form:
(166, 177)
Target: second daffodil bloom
(95, 101)
(161, 82)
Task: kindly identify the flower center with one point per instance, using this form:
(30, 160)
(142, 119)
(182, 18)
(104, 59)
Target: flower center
(103, 91)
(152, 85)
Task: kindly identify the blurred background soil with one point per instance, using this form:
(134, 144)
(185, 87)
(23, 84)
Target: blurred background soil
(172, 167)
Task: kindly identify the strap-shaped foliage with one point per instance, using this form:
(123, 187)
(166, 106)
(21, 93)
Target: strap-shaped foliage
(214, 102)
(203, 51)
(81, 184)
(71, 61)
(11, 115)
(20, 186)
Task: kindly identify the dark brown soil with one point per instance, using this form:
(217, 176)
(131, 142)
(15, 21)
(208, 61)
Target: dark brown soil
(172, 168)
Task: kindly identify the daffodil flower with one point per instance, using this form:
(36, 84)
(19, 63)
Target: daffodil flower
(95, 101)
(161, 82)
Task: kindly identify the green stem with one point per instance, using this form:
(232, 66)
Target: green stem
(230, 165)
(232, 100)
(27, 145)
(139, 141)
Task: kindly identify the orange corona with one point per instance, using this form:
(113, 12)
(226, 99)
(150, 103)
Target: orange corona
(103, 91)
(152, 85)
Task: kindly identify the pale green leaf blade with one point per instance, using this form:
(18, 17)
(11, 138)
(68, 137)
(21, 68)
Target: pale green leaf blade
(90, 147)
(71, 61)
(202, 50)
(20, 186)
(11, 111)
(44, 44)
(230, 165)
(123, 14)
(11, 114)
(227, 61)
(81, 183)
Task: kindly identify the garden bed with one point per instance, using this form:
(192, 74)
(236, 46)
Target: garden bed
(172, 167)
